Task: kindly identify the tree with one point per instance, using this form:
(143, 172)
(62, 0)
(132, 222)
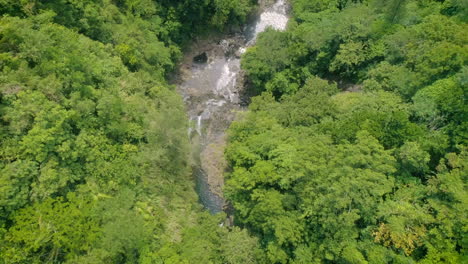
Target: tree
(448, 202)
(269, 56)
(441, 106)
(15, 182)
(393, 10)
(381, 114)
(388, 77)
(52, 231)
(291, 187)
(414, 161)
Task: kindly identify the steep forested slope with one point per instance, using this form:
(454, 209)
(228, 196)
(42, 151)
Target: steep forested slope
(375, 174)
(93, 141)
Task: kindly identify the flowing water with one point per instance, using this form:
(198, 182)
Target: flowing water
(212, 93)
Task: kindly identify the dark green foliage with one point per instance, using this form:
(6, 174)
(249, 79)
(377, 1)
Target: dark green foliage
(375, 174)
(46, 231)
(397, 51)
(264, 61)
(318, 183)
(382, 114)
(93, 144)
(94, 151)
(442, 106)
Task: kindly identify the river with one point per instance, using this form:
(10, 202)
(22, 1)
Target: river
(212, 87)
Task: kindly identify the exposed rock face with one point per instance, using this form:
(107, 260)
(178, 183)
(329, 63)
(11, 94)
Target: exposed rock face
(201, 58)
(214, 164)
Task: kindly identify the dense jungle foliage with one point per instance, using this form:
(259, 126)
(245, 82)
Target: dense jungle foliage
(93, 141)
(356, 149)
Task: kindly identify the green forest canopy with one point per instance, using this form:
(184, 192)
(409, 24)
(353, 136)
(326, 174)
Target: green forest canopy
(94, 155)
(374, 169)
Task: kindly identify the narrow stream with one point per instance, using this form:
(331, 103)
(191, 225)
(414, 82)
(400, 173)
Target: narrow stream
(211, 88)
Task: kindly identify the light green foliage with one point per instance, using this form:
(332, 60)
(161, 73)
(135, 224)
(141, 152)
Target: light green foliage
(413, 159)
(94, 152)
(442, 106)
(89, 124)
(375, 43)
(271, 55)
(144, 32)
(46, 231)
(333, 43)
(350, 56)
(303, 8)
(323, 176)
(93, 145)
(309, 197)
(309, 105)
(15, 181)
(206, 242)
(449, 201)
(225, 9)
(388, 77)
(403, 220)
(238, 248)
(383, 114)
(441, 53)
(291, 187)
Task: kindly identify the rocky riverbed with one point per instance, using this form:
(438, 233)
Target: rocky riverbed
(212, 85)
